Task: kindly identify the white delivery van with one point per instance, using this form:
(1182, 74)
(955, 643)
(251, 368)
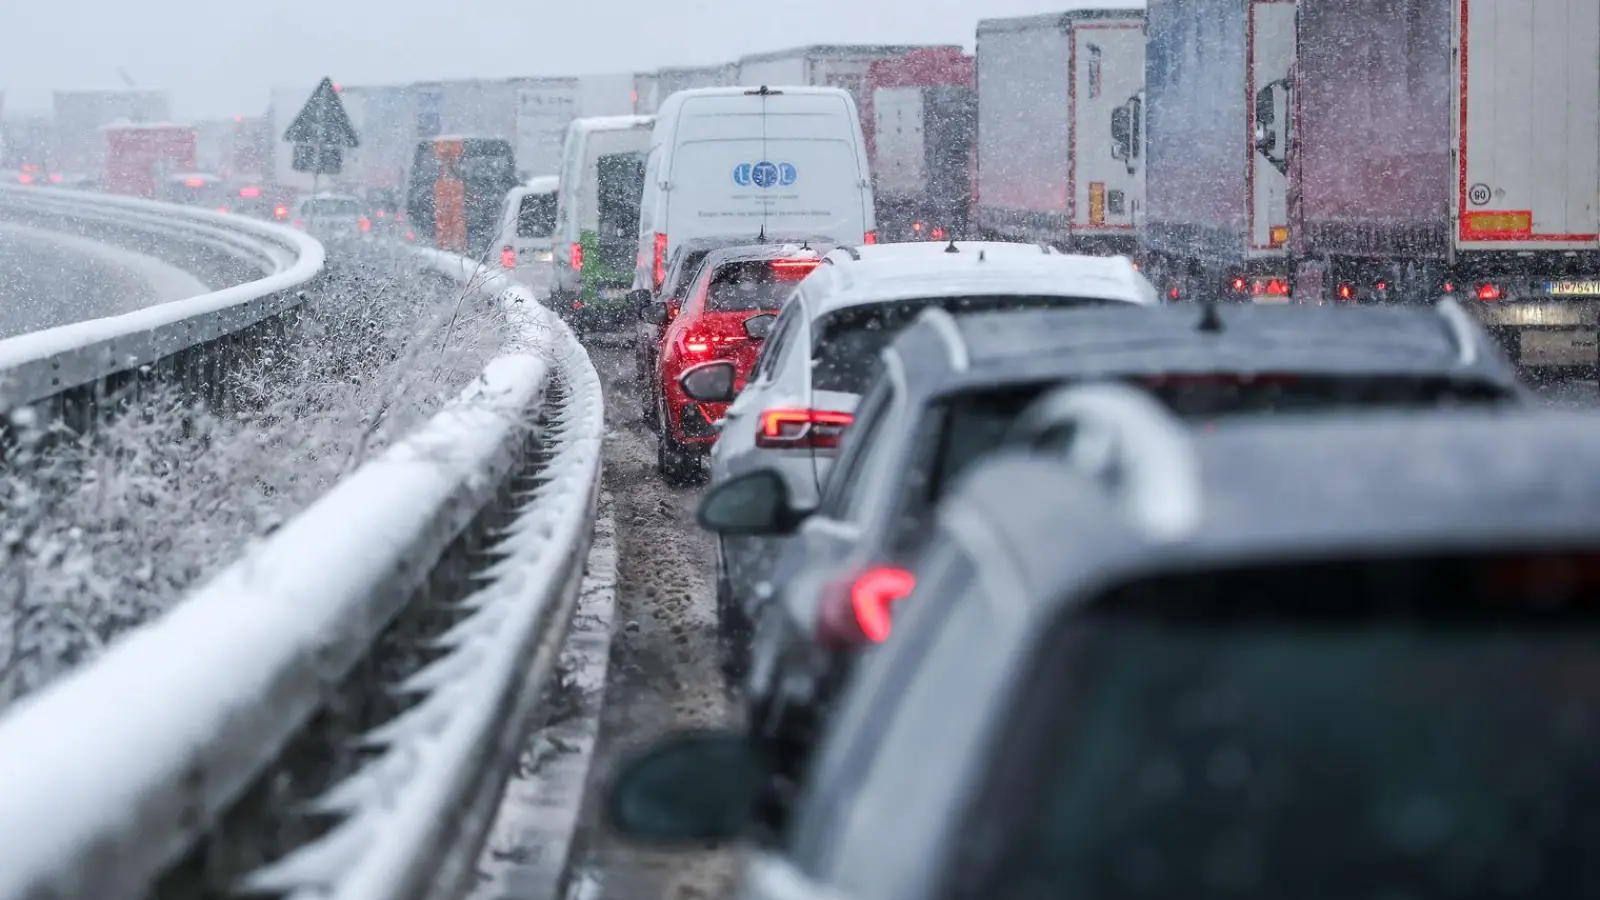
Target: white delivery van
(786, 162)
(528, 223)
(597, 210)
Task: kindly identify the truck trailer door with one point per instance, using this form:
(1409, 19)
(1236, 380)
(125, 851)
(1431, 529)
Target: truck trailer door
(1270, 45)
(1527, 125)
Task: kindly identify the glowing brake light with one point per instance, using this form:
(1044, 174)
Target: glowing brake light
(575, 256)
(25, 178)
(508, 258)
(937, 234)
(280, 212)
(869, 238)
(1239, 284)
(794, 269)
(1346, 292)
(55, 178)
(872, 598)
(249, 192)
(703, 343)
(659, 265)
(788, 428)
(1489, 292)
(365, 224)
(194, 182)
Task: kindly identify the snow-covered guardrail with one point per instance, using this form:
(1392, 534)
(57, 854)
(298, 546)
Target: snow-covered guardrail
(335, 715)
(72, 368)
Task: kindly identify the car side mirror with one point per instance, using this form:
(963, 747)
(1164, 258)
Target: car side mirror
(693, 787)
(710, 382)
(654, 313)
(758, 327)
(754, 503)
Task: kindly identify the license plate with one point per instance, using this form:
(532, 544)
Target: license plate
(1573, 288)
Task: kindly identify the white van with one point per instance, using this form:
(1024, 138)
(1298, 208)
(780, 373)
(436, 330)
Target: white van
(597, 210)
(787, 162)
(528, 223)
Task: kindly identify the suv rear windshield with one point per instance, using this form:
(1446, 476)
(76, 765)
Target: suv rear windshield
(973, 424)
(1314, 731)
(845, 354)
(536, 217)
(750, 285)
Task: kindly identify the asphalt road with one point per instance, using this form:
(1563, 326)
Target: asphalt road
(49, 279)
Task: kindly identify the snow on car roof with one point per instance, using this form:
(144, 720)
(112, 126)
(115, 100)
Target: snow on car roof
(909, 276)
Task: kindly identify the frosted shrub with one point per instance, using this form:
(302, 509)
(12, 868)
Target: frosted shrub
(102, 532)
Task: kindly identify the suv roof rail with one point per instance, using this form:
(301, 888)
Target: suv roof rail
(955, 344)
(855, 254)
(1137, 451)
(1462, 329)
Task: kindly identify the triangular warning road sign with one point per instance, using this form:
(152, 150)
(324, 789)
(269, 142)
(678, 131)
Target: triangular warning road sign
(323, 121)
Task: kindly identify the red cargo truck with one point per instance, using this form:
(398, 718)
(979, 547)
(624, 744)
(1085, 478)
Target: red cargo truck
(923, 114)
(138, 158)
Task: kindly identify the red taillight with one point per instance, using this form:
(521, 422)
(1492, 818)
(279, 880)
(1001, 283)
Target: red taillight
(194, 182)
(25, 178)
(1277, 288)
(365, 224)
(381, 214)
(917, 227)
(787, 428)
(794, 269)
(222, 209)
(1346, 292)
(870, 237)
(1382, 286)
(1449, 287)
(298, 224)
(1239, 285)
(280, 212)
(1173, 293)
(705, 343)
(411, 235)
(659, 265)
(938, 234)
(1489, 292)
(872, 599)
(249, 193)
(508, 258)
(575, 256)
(55, 179)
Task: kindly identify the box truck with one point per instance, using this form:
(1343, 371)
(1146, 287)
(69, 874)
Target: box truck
(924, 112)
(1452, 147)
(651, 88)
(138, 159)
(1051, 88)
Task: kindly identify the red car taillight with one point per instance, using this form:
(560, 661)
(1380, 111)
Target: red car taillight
(575, 256)
(870, 237)
(658, 267)
(862, 611)
(705, 343)
(508, 258)
(786, 428)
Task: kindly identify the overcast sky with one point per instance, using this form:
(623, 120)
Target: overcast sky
(221, 58)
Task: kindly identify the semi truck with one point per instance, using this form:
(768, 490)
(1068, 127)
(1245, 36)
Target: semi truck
(1451, 147)
(138, 159)
(1216, 113)
(924, 112)
(1052, 90)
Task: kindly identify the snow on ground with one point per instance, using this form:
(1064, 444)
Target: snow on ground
(103, 532)
(663, 674)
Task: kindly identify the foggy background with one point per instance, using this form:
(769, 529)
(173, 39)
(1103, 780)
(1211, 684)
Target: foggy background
(221, 59)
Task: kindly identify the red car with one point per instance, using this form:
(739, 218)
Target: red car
(726, 312)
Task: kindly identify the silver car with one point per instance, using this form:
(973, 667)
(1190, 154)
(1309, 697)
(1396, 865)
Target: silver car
(824, 347)
(331, 217)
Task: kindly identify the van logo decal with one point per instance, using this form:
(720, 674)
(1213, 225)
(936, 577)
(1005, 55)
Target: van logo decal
(765, 174)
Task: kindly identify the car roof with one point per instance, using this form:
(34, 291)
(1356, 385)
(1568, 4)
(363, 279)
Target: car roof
(951, 353)
(775, 250)
(1025, 274)
(1264, 490)
(861, 253)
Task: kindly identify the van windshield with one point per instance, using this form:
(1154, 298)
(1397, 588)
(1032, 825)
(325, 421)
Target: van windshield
(536, 217)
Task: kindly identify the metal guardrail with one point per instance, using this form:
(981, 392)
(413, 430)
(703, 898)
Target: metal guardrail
(336, 714)
(72, 370)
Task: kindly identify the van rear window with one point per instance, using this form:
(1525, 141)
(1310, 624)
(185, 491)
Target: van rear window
(536, 217)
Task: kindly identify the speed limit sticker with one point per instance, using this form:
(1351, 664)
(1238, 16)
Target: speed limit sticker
(1479, 194)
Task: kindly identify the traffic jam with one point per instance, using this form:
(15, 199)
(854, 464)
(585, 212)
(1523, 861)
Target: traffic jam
(1166, 498)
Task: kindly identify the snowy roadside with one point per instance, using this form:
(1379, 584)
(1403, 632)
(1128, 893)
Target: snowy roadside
(102, 533)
